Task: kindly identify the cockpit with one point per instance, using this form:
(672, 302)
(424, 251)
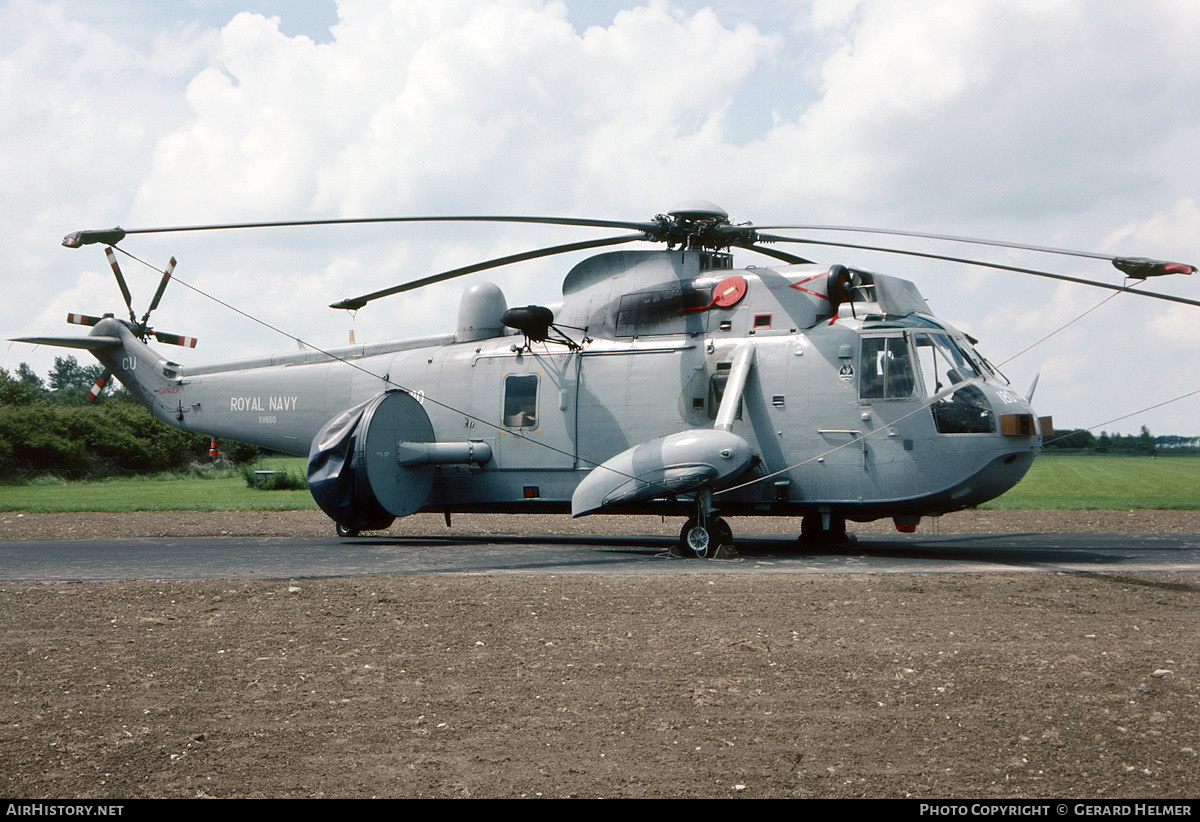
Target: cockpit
(918, 357)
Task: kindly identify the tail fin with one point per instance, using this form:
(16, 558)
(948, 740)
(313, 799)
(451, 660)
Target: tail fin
(148, 375)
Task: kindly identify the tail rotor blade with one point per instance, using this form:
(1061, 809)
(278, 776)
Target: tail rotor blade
(174, 339)
(102, 381)
(82, 319)
(162, 285)
(112, 261)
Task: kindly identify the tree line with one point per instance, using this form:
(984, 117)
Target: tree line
(1143, 443)
(48, 427)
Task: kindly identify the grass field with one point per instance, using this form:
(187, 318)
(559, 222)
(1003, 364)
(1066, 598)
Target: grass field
(219, 491)
(1055, 481)
(1107, 482)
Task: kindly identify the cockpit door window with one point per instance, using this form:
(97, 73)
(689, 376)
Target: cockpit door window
(886, 369)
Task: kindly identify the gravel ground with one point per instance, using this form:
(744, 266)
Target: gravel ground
(929, 686)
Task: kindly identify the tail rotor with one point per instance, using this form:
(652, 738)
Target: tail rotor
(101, 381)
(141, 329)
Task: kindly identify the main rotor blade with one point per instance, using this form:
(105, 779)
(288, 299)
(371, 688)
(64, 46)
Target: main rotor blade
(773, 238)
(945, 237)
(354, 303)
(113, 235)
(777, 254)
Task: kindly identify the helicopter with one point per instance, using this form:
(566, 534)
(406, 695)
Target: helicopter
(665, 382)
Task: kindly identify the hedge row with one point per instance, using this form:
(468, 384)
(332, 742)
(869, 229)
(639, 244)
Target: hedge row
(101, 440)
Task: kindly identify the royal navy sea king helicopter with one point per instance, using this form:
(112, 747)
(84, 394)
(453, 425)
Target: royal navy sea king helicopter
(665, 381)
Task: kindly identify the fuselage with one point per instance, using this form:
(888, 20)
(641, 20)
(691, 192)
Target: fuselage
(859, 403)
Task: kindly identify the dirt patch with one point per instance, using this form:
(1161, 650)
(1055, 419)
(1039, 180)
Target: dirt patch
(930, 686)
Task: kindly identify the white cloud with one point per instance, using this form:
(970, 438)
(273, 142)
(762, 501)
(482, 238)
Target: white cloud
(460, 104)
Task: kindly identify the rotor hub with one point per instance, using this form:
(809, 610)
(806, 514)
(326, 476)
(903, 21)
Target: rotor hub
(697, 210)
(700, 225)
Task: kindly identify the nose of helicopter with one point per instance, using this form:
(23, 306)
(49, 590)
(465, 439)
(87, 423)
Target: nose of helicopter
(1017, 439)
(997, 476)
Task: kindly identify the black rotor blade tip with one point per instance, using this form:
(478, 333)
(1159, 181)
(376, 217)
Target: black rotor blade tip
(1142, 267)
(107, 236)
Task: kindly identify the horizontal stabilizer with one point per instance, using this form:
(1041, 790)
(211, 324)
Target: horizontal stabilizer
(89, 343)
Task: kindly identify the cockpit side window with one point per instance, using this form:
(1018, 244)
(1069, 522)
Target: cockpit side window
(520, 401)
(943, 366)
(886, 369)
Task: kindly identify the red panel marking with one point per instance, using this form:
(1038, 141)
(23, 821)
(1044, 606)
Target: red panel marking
(729, 292)
(799, 286)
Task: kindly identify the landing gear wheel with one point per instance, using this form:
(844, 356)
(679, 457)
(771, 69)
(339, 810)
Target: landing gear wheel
(703, 541)
(696, 539)
(343, 531)
(813, 530)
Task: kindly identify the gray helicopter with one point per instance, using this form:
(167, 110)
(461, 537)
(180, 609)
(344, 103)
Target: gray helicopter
(665, 382)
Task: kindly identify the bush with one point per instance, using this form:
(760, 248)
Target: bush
(274, 480)
(97, 441)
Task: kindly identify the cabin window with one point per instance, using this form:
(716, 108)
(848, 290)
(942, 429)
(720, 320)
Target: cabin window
(886, 369)
(520, 401)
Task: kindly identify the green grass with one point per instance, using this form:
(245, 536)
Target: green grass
(1055, 481)
(1089, 481)
(215, 491)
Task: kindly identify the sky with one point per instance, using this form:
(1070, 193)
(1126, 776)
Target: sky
(1064, 123)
